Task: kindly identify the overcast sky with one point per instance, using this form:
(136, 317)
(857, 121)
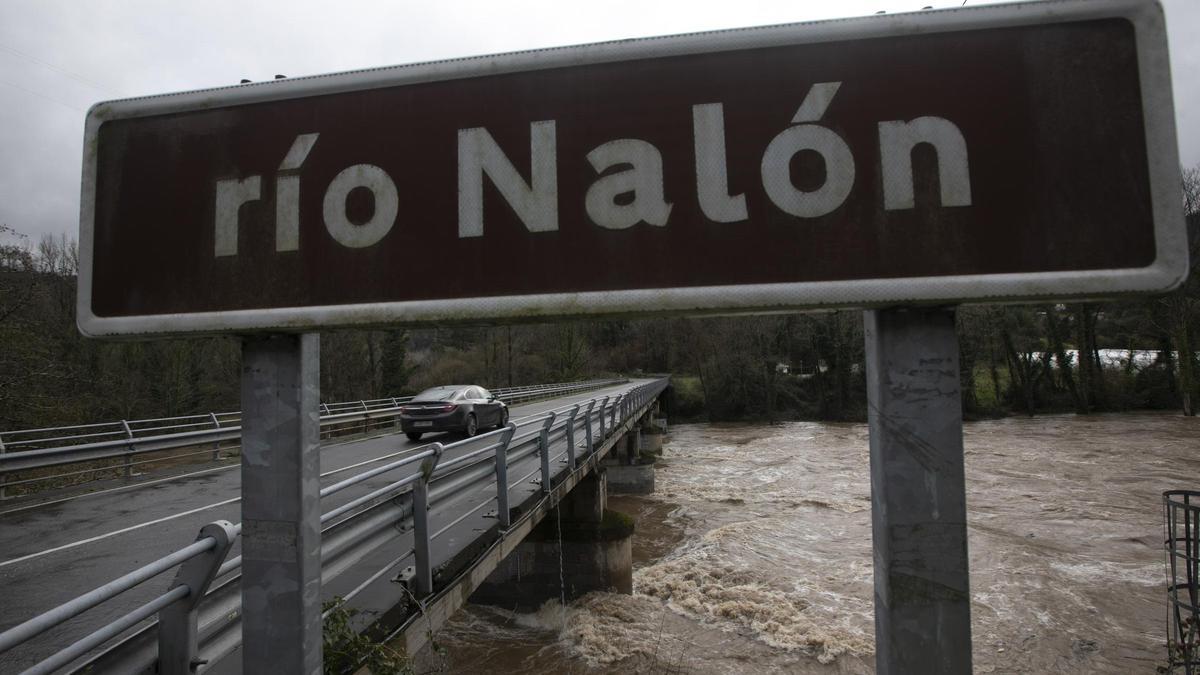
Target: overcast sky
(57, 57)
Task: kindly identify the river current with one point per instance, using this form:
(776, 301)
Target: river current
(754, 556)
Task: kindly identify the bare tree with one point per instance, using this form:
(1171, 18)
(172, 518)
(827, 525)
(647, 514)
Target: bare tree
(1191, 190)
(16, 264)
(1181, 308)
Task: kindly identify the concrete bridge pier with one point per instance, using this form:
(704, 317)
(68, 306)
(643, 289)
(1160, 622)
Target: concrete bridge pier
(579, 547)
(652, 437)
(629, 471)
(633, 445)
(654, 427)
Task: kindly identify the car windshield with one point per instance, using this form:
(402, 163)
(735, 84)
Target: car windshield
(436, 394)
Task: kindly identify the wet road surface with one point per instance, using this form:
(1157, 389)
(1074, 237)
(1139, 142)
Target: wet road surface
(54, 552)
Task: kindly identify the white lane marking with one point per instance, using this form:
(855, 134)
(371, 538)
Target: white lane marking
(373, 460)
(131, 528)
(184, 513)
(135, 486)
(569, 400)
(139, 526)
(231, 466)
(116, 489)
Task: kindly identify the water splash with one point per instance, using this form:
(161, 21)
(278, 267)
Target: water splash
(705, 581)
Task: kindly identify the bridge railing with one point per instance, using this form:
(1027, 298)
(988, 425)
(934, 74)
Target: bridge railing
(200, 610)
(175, 438)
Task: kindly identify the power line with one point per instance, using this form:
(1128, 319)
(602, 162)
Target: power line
(63, 71)
(40, 95)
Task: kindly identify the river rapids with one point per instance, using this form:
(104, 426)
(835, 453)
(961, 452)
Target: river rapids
(754, 556)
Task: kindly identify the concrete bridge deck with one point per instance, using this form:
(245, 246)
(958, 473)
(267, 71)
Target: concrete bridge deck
(53, 552)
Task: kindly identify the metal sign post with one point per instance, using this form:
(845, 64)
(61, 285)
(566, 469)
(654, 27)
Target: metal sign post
(281, 515)
(918, 492)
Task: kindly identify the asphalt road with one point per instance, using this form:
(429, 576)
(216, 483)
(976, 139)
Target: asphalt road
(53, 552)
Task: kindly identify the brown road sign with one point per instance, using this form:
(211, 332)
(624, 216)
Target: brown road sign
(1006, 152)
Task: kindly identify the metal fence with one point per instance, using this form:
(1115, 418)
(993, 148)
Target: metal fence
(195, 620)
(124, 445)
(1181, 522)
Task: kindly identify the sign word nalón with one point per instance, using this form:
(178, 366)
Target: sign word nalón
(851, 163)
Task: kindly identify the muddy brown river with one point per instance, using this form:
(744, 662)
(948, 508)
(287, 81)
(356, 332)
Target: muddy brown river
(754, 556)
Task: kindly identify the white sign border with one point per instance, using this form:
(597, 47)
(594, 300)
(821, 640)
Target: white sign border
(1167, 271)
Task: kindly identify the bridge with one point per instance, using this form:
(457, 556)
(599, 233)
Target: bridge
(108, 581)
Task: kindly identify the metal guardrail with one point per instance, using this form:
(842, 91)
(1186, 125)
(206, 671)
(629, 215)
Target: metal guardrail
(33, 449)
(199, 613)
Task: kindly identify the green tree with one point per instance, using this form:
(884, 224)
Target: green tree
(394, 363)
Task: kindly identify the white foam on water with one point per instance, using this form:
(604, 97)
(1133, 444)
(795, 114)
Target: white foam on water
(1107, 572)
(774, 574)
(551, 616)
(704, 581)
(604, 628)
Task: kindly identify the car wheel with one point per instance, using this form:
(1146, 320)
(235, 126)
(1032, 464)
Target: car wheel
(472, 425)
(413, 435)
(503, 418)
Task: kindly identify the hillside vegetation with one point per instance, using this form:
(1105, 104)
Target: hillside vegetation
(1014, 359)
